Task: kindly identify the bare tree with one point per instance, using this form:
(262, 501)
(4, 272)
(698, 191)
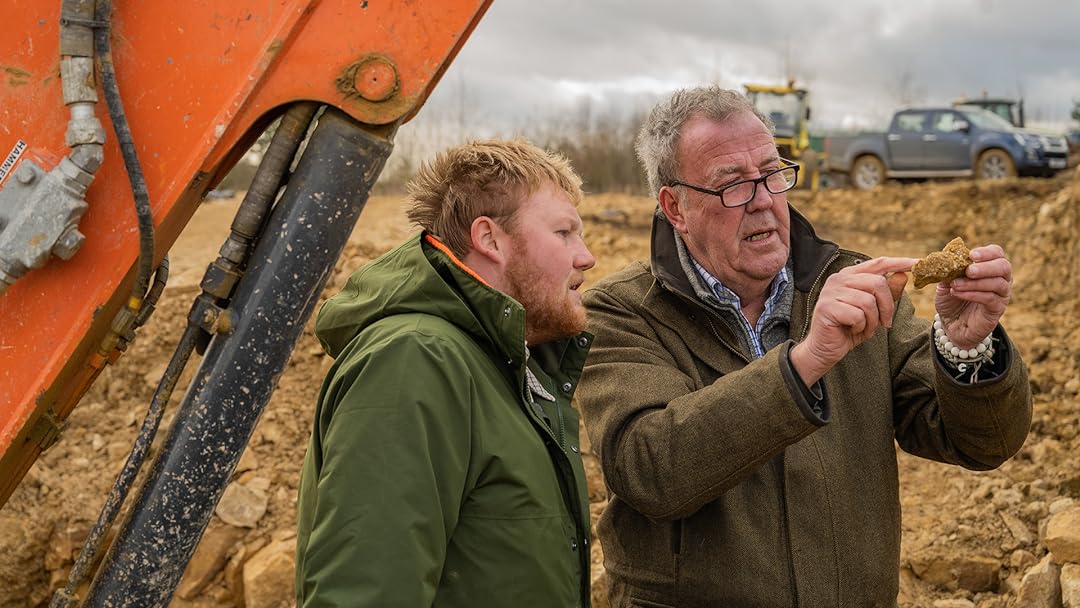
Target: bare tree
(906, 90)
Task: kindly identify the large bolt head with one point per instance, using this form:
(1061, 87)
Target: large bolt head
(68, 243)
(376, 79)
(25, 174)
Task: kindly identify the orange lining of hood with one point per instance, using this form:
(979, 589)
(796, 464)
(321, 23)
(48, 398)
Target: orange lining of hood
(436, 243)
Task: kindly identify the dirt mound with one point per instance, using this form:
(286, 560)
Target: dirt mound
(968, 536)
(973, 535)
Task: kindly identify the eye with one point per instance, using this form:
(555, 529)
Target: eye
(728, 183)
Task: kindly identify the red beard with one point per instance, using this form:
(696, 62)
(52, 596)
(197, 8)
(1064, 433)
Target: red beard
(550, 310)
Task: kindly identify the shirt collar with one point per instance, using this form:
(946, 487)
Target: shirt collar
(725, 295)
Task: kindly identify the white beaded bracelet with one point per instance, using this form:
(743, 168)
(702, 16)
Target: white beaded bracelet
(961, 357)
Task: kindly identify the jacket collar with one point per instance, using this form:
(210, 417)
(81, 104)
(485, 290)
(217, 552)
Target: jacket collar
(500, 320)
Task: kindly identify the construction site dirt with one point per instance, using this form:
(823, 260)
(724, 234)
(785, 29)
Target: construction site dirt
(968, 537)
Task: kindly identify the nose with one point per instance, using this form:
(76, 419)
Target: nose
(763, 199)
(584, 259)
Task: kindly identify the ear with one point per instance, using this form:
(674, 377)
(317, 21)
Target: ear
(673, 208)
(488, 240)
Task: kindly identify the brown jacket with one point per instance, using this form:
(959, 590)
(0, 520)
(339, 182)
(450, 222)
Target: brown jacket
(727, 489)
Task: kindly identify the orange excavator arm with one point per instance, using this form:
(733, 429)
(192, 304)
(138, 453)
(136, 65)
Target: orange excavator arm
(197, 82)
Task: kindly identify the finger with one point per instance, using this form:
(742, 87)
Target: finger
(997, 267)
(987, 252)
(991, 301)
(995, 285)
(850, 319)
(868, 291)
(882, 265)
(884, 303)
(897, 281)
(868, 305)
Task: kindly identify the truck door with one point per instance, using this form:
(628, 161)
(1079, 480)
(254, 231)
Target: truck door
(947, 145)
(905, 140)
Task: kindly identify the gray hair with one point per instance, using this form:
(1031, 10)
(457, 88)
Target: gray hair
(659, 136)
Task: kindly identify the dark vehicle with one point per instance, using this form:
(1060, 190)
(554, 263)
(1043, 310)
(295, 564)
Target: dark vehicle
(946, 142)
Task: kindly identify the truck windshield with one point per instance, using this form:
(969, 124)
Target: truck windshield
(985, 119)
(782, 108)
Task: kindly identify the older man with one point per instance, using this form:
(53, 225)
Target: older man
(444, 467)
(745, 388)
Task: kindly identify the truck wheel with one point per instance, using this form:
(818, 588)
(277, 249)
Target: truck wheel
(867, 172)
(995, 164)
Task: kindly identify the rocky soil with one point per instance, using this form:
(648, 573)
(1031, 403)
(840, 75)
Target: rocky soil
(1009, 537)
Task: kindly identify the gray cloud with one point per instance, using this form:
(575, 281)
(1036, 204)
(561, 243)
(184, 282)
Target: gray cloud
(530, 61)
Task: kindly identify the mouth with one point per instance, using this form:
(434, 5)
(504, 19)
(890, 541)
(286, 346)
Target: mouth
(758, 236)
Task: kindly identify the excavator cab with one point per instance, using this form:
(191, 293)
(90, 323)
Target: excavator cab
(788, 107)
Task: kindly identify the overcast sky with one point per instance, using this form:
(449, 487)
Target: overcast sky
(530, 60)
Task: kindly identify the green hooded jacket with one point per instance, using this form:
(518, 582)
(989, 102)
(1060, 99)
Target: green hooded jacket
(434, 476)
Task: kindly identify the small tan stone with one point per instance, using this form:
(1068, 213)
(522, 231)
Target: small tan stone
(268, 576)
(1070, 585)
(1021, 559)
(964, 572)
(1063, 535)
(209, 558)
(242, 506)
(1017, 528)
(1040, 587)
(248, 461)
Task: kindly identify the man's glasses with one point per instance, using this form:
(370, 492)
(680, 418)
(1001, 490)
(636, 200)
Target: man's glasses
(739, 193)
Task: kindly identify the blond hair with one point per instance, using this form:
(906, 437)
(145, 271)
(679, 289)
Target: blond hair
(478, 178)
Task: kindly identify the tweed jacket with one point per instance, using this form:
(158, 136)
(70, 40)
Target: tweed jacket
(728, 487)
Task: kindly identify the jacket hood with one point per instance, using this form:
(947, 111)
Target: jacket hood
(422, 276)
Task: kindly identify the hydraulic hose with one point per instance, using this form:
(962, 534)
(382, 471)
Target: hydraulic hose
(103, 48)
(66, 597)
(217, 286)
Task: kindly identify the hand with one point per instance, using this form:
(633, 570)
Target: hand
(853, 304)
(970, 307)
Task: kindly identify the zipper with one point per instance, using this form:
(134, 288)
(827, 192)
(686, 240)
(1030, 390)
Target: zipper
(558, 413)
(562, 425)
(567, 481)
(560, 439)
(809, 294)
(782, 480)
(787, 532)
(709, 313)
(716, 334)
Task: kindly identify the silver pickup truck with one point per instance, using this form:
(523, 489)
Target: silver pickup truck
(945, 142)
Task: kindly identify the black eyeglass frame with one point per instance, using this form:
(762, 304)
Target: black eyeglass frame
(756, 181)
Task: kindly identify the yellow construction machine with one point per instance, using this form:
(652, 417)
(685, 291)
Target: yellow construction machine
(788, 107)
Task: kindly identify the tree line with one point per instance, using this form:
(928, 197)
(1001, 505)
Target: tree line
(599, 146)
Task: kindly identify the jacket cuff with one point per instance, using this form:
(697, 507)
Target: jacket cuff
(989, 373)
(813, 401)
